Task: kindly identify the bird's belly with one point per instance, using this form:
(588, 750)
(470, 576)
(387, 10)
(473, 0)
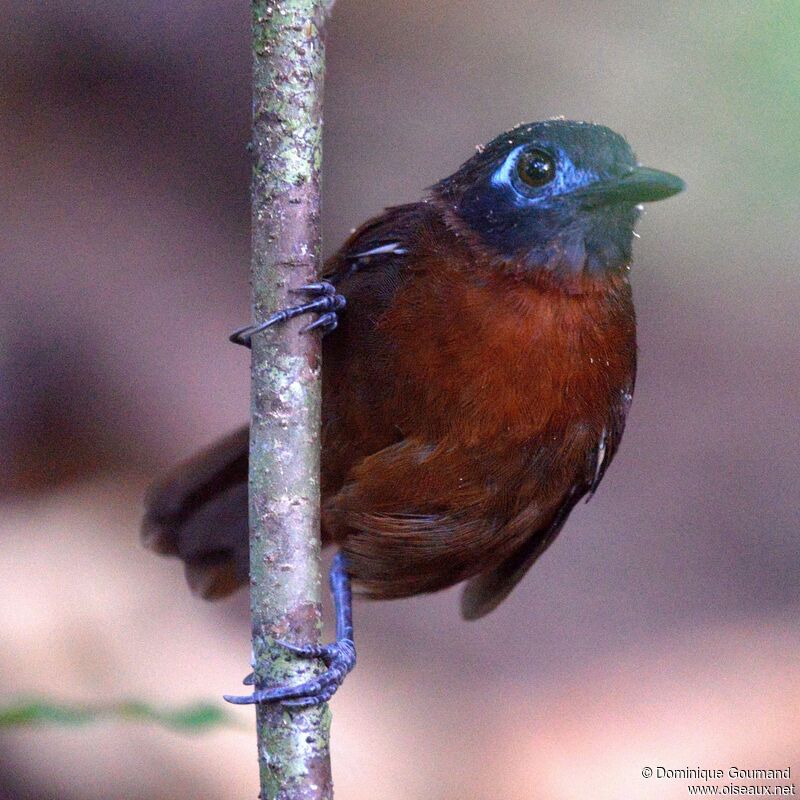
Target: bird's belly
(518, 389)
(495, 383)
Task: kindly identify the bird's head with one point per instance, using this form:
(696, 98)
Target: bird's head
(557, 195)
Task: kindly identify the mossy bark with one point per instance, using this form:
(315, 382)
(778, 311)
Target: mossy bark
(288, 69)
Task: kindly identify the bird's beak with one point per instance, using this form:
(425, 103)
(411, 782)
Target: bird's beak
(640, 185)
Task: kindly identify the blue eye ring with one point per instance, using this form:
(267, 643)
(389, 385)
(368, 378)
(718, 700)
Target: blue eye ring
(535, 167)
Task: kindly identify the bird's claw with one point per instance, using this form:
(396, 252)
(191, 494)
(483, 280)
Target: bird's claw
(325, 300)
(339, 658)
(343, 651)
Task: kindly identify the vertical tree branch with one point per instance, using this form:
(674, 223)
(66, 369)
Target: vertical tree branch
(288, 68)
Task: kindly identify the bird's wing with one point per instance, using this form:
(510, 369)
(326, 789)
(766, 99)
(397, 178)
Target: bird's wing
(410, 519)
(385, 237)
(486, 591)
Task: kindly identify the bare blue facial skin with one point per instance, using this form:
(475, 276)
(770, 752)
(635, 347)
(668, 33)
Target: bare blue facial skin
(582, 219)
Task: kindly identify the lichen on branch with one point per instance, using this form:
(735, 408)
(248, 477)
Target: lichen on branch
(288, 70)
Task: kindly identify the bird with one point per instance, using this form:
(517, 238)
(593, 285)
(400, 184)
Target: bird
(479, 362)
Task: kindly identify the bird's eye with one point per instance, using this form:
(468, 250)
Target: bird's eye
(536, 168)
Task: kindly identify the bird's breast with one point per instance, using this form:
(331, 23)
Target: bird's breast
(510, 358)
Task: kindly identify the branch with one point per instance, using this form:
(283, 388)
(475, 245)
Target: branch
(288, 69)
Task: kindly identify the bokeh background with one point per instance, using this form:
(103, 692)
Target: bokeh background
(661, 630)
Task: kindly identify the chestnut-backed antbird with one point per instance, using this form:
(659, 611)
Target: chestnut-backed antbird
(475, 387)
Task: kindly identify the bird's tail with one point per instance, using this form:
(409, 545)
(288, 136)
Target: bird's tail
(198, 512)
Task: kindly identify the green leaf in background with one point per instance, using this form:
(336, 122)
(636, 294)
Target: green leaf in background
(754, 61)
(191, 718)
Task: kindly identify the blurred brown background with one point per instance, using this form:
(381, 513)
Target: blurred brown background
(661, 629)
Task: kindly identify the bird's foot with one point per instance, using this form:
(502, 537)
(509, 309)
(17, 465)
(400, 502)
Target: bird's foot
(324, 299)
(339, 657)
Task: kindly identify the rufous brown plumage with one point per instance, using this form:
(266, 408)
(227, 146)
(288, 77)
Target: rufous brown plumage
(477, 383)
